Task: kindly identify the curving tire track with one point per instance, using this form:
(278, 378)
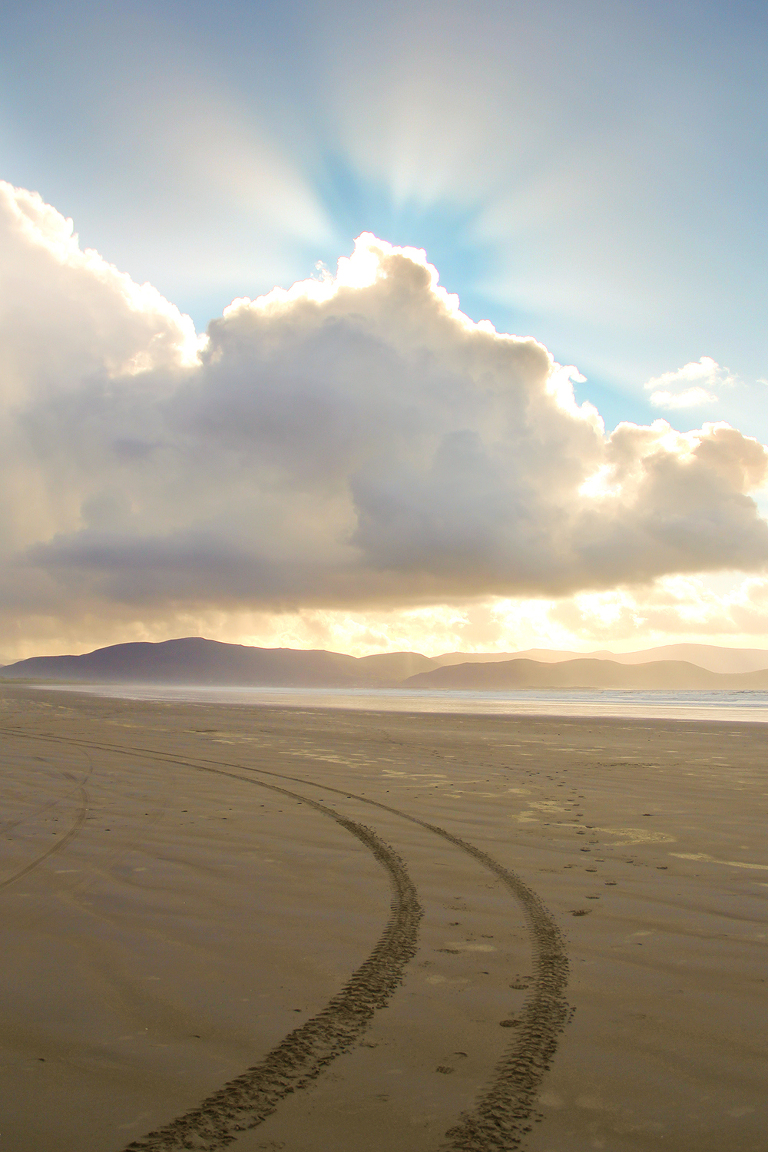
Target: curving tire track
(249, 1099)
(9, 825)
(501, 1117)
(67, 838)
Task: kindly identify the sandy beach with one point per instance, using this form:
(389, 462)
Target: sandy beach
(324, 931)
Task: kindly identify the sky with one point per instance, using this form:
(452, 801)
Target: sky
(355, 454)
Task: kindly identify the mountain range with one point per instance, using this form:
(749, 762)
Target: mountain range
(194, 660)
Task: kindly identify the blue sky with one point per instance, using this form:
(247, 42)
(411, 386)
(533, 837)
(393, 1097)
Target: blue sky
(592, 174)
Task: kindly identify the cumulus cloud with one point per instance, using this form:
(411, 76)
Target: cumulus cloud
(352, 442)
(696, 380)
(67, 316)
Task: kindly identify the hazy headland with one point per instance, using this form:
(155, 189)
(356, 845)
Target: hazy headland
(194, 660)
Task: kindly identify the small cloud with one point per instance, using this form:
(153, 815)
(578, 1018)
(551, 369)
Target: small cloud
(688, 399)
(696, 379)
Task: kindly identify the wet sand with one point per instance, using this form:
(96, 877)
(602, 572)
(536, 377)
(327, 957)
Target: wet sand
(308, 930)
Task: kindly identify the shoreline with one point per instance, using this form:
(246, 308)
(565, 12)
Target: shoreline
(714, 706)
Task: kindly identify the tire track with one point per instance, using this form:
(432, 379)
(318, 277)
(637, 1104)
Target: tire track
(67, 838)
(249, 1099)
(9, 825)
(300, 1058)
(501, 1117)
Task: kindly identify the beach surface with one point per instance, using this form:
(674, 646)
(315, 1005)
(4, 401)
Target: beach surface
(315, 930)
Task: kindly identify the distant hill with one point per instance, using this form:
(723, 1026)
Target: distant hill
(193, 660)
(545, 655)
(196, 661)
(584, 673)
(394, 666)
(710, 656)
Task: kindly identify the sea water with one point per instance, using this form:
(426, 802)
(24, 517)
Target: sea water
(693, 705)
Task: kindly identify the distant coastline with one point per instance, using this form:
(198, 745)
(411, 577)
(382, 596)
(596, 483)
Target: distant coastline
(196, 661)
(746, 706)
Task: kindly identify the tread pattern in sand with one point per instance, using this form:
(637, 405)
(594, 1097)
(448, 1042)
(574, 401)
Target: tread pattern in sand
(62, 842)
(501, 1117)
(247, 1100)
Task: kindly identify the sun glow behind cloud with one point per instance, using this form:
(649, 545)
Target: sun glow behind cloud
(677, 609)
(351, 458)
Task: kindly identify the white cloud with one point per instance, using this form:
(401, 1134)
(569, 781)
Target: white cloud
(353, 443)
(690, 398)
(696, 379)
(66, 314)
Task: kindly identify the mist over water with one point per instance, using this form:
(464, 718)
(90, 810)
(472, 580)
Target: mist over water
(747, 706)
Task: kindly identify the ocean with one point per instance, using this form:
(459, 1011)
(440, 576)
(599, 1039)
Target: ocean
(744, 706)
